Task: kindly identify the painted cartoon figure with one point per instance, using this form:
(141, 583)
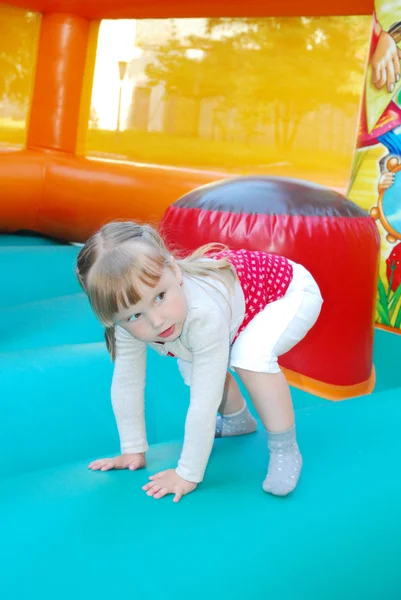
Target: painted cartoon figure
(384, 74)
(375, 180)
(380, 121)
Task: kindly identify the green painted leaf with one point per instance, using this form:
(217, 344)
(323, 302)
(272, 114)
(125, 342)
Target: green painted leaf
(383, 314)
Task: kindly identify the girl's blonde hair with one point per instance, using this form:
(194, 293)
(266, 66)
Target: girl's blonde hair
(123, 253)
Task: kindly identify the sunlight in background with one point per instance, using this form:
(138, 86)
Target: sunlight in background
(118, 41)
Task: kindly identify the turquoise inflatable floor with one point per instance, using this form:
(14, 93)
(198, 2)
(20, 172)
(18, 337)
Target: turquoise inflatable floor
(69, 533)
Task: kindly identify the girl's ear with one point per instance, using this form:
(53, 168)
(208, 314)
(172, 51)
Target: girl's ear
(176, 270)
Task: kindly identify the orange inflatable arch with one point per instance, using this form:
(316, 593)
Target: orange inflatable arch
(50, 189)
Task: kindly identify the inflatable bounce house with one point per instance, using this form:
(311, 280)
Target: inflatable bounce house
(269, 126)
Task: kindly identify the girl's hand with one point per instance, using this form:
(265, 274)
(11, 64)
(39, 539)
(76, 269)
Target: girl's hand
(124, 461)
(168, 482)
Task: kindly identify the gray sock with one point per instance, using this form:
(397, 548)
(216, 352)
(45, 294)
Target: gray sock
(285, 463)
(237, 423)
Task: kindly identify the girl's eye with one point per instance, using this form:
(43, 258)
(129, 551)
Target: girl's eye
(134, 317)
(161, 297)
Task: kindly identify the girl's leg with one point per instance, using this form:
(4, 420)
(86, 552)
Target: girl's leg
(271, 333)
(234, 418)
(271, 397)
(233, 400)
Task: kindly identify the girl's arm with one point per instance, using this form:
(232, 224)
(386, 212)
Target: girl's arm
(127, 392)
(210, 344)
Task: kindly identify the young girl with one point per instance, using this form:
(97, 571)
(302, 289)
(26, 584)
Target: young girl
(214, 310)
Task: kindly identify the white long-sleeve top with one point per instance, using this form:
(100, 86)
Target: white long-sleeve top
(213, 318)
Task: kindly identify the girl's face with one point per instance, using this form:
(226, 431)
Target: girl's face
(160, 314)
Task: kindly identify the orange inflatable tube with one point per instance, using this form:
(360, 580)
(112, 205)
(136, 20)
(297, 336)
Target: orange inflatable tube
(139, 9)
(69, 197)
(58, 83)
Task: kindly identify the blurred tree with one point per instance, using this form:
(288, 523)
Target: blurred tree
(269, 71)
(18, 39)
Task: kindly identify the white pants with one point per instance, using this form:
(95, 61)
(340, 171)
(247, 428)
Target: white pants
(279, 326)
(276, 329)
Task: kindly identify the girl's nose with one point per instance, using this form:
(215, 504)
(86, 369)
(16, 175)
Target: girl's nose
(156, 321)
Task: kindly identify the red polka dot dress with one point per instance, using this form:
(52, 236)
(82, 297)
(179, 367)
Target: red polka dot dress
(264, 278)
